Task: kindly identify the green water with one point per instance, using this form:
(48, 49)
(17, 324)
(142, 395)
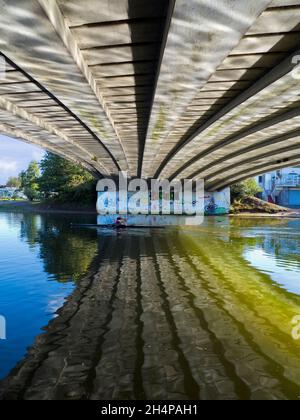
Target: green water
(217, 301)
(245, 277)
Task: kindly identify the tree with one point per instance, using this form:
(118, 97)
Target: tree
(14, 182)
(65, 181)
(246, 188)
(30, 181)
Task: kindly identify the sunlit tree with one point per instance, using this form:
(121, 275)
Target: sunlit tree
(247, 188)
(65, 181)
(30, 181)
(14, 182)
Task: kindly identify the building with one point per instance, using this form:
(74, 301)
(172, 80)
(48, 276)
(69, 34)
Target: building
(9, 193)
(282, 187)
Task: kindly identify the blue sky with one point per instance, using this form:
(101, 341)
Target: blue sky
(15, 156)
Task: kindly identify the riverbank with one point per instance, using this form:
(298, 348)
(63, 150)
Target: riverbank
(250, 207)
(239, 210)
(288, 215)
(38, 207)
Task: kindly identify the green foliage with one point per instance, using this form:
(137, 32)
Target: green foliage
(14, 182)
(252, 204)
(64, 181)
(247, 188)
(58, 179)
(30, 181)
(66, 254)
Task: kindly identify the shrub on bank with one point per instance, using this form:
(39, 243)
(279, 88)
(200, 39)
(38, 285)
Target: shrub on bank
(244, 189)
(56, 180)
(255, 205)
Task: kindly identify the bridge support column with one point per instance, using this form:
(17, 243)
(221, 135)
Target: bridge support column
(215, 203)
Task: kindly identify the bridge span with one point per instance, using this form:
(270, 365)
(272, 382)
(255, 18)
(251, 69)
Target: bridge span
(161, 88)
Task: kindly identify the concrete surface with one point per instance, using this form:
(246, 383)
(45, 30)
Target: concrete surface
(184, 88)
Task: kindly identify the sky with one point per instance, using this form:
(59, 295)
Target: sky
(15, 156)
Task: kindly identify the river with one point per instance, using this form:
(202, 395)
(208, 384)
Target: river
(202, 312)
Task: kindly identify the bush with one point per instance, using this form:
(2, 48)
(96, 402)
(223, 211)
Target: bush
(247, 188)
(59, 180)
(30, 181)
(64, 181)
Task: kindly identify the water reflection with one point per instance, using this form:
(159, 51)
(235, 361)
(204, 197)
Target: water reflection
(199, 313)
(246, 305)
(41, 258)
(66, 253)
(276, 253)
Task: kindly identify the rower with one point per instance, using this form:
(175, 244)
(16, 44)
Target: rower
(120, 223)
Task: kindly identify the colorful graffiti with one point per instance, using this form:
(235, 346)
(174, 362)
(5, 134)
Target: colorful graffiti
(217, 203)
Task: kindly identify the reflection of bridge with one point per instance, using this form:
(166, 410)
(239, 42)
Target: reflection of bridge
(166, 88)
(160, 319)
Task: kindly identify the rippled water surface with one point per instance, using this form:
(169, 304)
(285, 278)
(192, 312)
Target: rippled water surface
(209, 311)
(41, 258)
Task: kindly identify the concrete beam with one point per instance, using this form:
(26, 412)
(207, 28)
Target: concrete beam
(34, 45)
(25, 131)
(201, 26)
(222, 78)
(194, 167)
(260, 99)
(59, 23)
(261, 169)
(118, 9)
(241, 156)
(282, 158)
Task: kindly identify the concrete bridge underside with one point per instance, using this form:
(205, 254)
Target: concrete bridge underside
(160, 88)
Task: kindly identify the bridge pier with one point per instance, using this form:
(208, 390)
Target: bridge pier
(215, 203)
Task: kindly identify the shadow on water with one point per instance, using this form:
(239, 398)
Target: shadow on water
(174, 313)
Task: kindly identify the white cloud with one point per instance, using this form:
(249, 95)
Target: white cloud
(8, 165)
(15, 157)
(38, 155)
